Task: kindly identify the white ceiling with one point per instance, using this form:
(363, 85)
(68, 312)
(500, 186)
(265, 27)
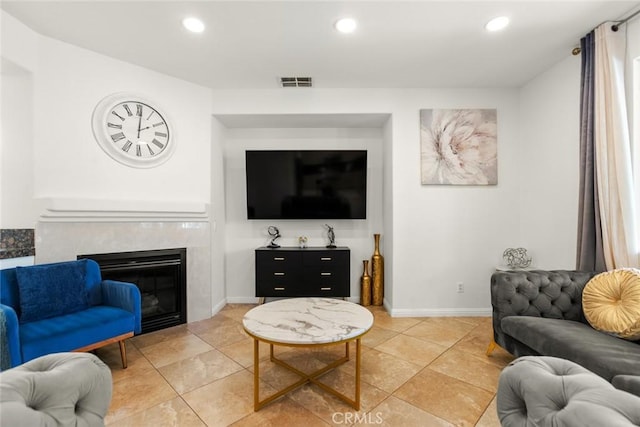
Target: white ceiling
(251, 44)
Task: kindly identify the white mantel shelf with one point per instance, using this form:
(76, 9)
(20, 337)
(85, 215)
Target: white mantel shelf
(98, 210)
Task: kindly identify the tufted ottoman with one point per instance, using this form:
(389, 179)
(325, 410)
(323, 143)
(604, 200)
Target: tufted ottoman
(547, 391)
(61, 389)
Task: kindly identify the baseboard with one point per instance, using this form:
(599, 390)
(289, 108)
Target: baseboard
(242, 300)
(218, 307)
(439, 312)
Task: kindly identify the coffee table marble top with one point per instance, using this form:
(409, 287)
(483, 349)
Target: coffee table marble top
(305, 321)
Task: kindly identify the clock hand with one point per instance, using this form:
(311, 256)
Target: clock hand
(142, 130)
(139, 124)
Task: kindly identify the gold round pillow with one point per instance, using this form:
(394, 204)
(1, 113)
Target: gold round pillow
(611, 303)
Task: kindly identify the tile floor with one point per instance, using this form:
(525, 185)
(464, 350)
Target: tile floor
(415, 372)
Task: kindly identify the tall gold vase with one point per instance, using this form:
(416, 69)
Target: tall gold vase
(365, 284)
(377, 273)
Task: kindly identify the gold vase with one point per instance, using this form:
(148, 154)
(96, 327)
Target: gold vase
(365, 285)
(377, 273)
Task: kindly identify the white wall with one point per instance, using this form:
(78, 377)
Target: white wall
(69, 162)
(18, 208)
(68, 82)
(18, 46)
(439, 235)
(550, 152)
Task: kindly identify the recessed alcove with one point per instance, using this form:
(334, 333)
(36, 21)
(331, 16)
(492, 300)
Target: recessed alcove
(333, 131)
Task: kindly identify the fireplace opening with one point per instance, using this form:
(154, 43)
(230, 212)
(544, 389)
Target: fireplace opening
(161, 276)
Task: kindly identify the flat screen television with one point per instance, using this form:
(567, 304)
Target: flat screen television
(306, 184)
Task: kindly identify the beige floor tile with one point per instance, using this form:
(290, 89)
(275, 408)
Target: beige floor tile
(138, 393)
(236, 311)
(227, 400)
(206, 325)
(173, 413)
(471, 369)
(332, 409)
(137, 364)
(193, 372)
(227, 331)
(443, 331)
(394, 412)
(383, 370)
(477, 346)
(398, 324)
(377, 336)
(182, 347)
(453, 400)
(141, 341)
(200, 374)
(283, 412)
(490, 416)
(412, 349)
(242, 351)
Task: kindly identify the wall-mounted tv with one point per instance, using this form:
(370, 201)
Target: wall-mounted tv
(306, 184)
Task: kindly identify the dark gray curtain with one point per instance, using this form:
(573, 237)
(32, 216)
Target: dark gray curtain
(590, 255)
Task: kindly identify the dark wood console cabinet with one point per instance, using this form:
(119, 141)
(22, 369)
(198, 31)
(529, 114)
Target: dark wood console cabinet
(303, 272)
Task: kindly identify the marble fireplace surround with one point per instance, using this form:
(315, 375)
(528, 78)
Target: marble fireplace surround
(63, 234)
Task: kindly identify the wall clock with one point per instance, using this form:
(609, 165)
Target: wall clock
(133, 130)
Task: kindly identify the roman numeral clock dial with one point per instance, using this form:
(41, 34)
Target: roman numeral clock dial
(133, 130)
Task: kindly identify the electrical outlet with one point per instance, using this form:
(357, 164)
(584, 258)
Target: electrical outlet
(460, 286)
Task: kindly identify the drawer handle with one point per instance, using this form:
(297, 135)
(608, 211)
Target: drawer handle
(325, 289)
(278, 258)
(325, 274)
(278, 289)
(278, 274)
(328, 258)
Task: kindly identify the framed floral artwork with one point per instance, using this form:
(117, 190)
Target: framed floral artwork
(459, 147)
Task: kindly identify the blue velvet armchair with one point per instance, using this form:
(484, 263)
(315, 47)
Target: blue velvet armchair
(65, 306)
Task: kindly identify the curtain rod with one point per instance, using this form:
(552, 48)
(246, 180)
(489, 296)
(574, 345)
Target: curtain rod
(615, 26)
(576, 50)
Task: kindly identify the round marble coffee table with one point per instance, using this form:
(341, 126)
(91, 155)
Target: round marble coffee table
(307, 322)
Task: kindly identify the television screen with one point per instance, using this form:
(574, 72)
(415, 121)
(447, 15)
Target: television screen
(306, 184)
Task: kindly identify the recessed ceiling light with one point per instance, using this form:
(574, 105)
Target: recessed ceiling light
(346, 25)
(193, 24)
(497, 24)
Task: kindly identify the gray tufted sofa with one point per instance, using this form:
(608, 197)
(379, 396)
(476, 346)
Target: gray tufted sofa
(540, 313)
(547, 391)
(60, 389)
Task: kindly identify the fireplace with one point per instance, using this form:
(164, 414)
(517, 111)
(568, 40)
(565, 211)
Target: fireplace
(161, 276)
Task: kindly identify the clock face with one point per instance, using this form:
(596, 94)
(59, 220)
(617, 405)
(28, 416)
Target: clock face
(132, 130)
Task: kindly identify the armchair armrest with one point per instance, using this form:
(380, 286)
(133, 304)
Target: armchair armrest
(125, 296)
(10, 354)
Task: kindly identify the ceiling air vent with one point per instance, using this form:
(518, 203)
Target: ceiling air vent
(295, 81)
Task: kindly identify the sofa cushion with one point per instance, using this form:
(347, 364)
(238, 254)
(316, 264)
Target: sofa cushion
(51, 290)
(603, 354)
(548, 391)
(611, 303)
(628, 383)
(72, 331)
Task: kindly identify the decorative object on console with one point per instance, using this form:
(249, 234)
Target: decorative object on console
(459, 147)
(302, 242)
(611, 303)
(133, 130)
(275, 234)
(331, 235)
(377, 273)
(365, 284)
(516, 258)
